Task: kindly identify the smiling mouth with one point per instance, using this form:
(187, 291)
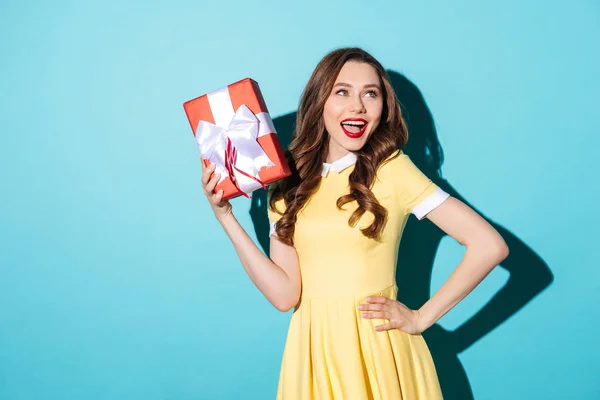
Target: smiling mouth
(354, 127)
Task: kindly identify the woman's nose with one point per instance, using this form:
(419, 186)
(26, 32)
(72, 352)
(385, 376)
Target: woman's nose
(357, 105)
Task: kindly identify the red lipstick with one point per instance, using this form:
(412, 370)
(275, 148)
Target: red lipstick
(354, 135)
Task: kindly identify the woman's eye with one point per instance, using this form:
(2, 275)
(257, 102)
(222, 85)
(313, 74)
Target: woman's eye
(371, 93)
(342, 92)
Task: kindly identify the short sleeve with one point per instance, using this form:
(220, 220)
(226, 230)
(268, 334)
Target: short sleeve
(273, 215)
(416, 193)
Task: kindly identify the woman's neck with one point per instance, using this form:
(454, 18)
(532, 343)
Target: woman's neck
(336, 154)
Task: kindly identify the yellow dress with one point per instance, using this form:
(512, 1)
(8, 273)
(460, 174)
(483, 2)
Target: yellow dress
(331, 351)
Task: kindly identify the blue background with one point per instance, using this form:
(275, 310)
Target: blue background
(116, 282)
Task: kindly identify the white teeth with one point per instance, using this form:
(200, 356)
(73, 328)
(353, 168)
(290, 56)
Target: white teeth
(354, 123)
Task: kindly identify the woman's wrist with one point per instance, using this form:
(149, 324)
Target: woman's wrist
(425, 320)
(225, 217)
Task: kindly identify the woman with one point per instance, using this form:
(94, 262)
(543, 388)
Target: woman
(336, 224)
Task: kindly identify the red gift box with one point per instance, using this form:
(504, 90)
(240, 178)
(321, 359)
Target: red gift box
(234, 130)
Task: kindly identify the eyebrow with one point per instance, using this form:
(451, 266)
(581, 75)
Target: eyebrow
(344, 84)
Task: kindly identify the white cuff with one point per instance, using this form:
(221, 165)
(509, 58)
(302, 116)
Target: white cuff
(430, 203)
(272, 230)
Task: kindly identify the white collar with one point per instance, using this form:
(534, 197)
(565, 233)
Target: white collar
(340, 164)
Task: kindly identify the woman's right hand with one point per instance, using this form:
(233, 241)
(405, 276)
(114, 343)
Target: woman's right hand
(220, 207)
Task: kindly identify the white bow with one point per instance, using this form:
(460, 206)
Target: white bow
(243, 133)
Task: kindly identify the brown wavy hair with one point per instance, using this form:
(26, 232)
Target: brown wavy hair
(310, 144)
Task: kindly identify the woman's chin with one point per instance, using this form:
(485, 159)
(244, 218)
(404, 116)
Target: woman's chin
(348, 143)
(354, 144)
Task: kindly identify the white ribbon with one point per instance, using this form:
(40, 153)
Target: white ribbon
(242, 128)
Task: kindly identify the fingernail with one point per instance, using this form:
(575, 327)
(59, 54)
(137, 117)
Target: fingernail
(364, 314)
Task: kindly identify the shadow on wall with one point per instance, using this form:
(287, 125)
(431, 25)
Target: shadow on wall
(529, 274)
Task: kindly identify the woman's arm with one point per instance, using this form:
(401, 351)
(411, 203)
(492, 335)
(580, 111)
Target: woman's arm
(485, 249)
(278, 278)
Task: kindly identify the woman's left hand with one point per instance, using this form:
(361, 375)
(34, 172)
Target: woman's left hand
(399, 316)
